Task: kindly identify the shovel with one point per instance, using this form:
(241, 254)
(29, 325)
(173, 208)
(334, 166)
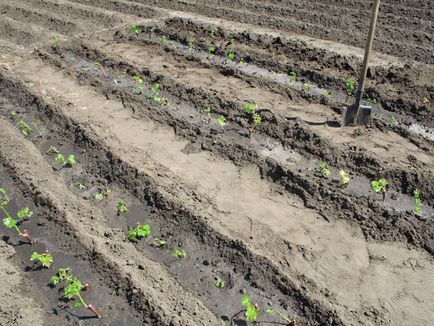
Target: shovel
(357, 113)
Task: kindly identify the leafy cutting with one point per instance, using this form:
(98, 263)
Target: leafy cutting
(10, 222)
(122, 208)
(44, 259)
(159, 242)
(25, 128)
(380, 186)
(73, 288)
(208, 111)
(350, 86)
(325, 171)
(252, 310)
(24, 213)
(220, 283)
(140, 231)
(254, 119)
(68, 162)
(179, 253)
(221, 121)
(418, 202)
(345, 178)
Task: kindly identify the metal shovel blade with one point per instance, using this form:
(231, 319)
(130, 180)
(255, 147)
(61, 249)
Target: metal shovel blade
(356, 114)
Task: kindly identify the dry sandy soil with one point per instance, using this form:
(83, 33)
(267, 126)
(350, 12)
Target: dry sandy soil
(256, 213)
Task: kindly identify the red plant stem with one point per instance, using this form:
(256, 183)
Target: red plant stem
(27, 236)
(86, 287)
(91, 308)
(384, 193)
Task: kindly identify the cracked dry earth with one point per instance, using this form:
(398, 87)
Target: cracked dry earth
(255, 213)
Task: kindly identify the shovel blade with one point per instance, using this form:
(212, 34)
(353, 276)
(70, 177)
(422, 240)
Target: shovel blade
(349, 116)
(356, 114)
(364, 115)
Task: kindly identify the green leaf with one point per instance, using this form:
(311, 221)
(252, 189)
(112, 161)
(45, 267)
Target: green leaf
(144, 231)
(250, 108)
(270, 311)
(245, 301)
(98, 196)
(73, 289)
(78, 304)
(44, 259)
(52, 150)
(207, 110)
(220, 284)
(10, 222)
(256, 119)
(159, 242)
(345, 178)
(379, 185)
(122, 208)
(60, 159)
(55, 279)
(155, 87)
(132, 234)
(71, 160)
(179, 253)
(4, 199)
(221, 120)
(25, 128)
(251, 313)
(24, 213)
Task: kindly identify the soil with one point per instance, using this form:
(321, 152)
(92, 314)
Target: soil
(122, 86)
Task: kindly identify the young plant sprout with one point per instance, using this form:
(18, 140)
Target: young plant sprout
(270, 312)
(380, 186)
(231, 50)
(25, 128)
(253, 117)
(45, 259)
(159, 242)
(221, 121)
(293, 77)
(52, 150)
(24, 213)
(122, 208)
(73, 289)
(350, 86)
(325, 171)
(140, 231)
(220, 284)
(81, 186)
(13, 114)
(156, 95)
(98, 196)
(345, 178)
(8, 221)
(135, 29)
(208, 111)
(418, 202)
(307, 87)
(425, 100)
(190, 45)
(325, 94)
(393, 120)
(211, 51)
(68, 162)
(371, 101)
(55, 40)
(107, 192)
(179, 253)
(137, 80)
(252, 310)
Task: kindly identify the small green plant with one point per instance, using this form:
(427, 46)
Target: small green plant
(208, 111)
(350, 86)
(81, 186)
(293, 77)
(8, 221)
(73, 288)
(425, 100)
(252, 310)
(24, 213)
(325, 94)
(270, 312)
(307, 87)
(55, 40)
(68, 162)
(52, 150)
(179, 253)
(140, 231)
(13, 114)
(107, 192)
(60, 159)
(98, 196)
(135, 29)
(159, 242)
(380, 186)
(221, 121)
(231, 50)
(122, 208)
(156, 95)
(371, 101)
(254, 119)
(44, 259)
(393, 120)
(25, 128)
(417, 202)
(345, 178)
(325, 171)
(220, 284)
(190, 45)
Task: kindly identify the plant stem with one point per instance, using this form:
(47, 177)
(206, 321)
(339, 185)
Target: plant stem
(89, 306)
(8, 216)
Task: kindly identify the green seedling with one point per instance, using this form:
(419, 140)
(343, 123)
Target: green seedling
(140, 231)
(208, 111)
(380, 186)
(211, 51)
(221, 121)
(345, 178)
(122, 208)
(254, 119)
(156, 95)
(213, 32)
(4, 99)
(350, 86)
(24, 213)
(68, 162)
(98, 196)
(425, 100)
(371, 101)
(55, 40)
(159, 242)
(73, 288)
(293, 77)
(325, 171)
(164, 39)
(13, 114)
(220, 284)
(135, 29)
(179, 253)
(252, 310)
(270, 312)
(25, 128)
(231, 50)
(8, 221)
(136, 80)
(81, 186)
(44, 259)
(307, 87)
(190, 45)
(107, 192)
(325, 94)
(418, 202)
(52, 150)
(393, 120)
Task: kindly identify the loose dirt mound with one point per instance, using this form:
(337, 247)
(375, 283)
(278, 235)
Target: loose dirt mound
(149, 98)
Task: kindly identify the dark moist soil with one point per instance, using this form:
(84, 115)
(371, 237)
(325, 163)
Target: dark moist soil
(210, 255)
(49, 233)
